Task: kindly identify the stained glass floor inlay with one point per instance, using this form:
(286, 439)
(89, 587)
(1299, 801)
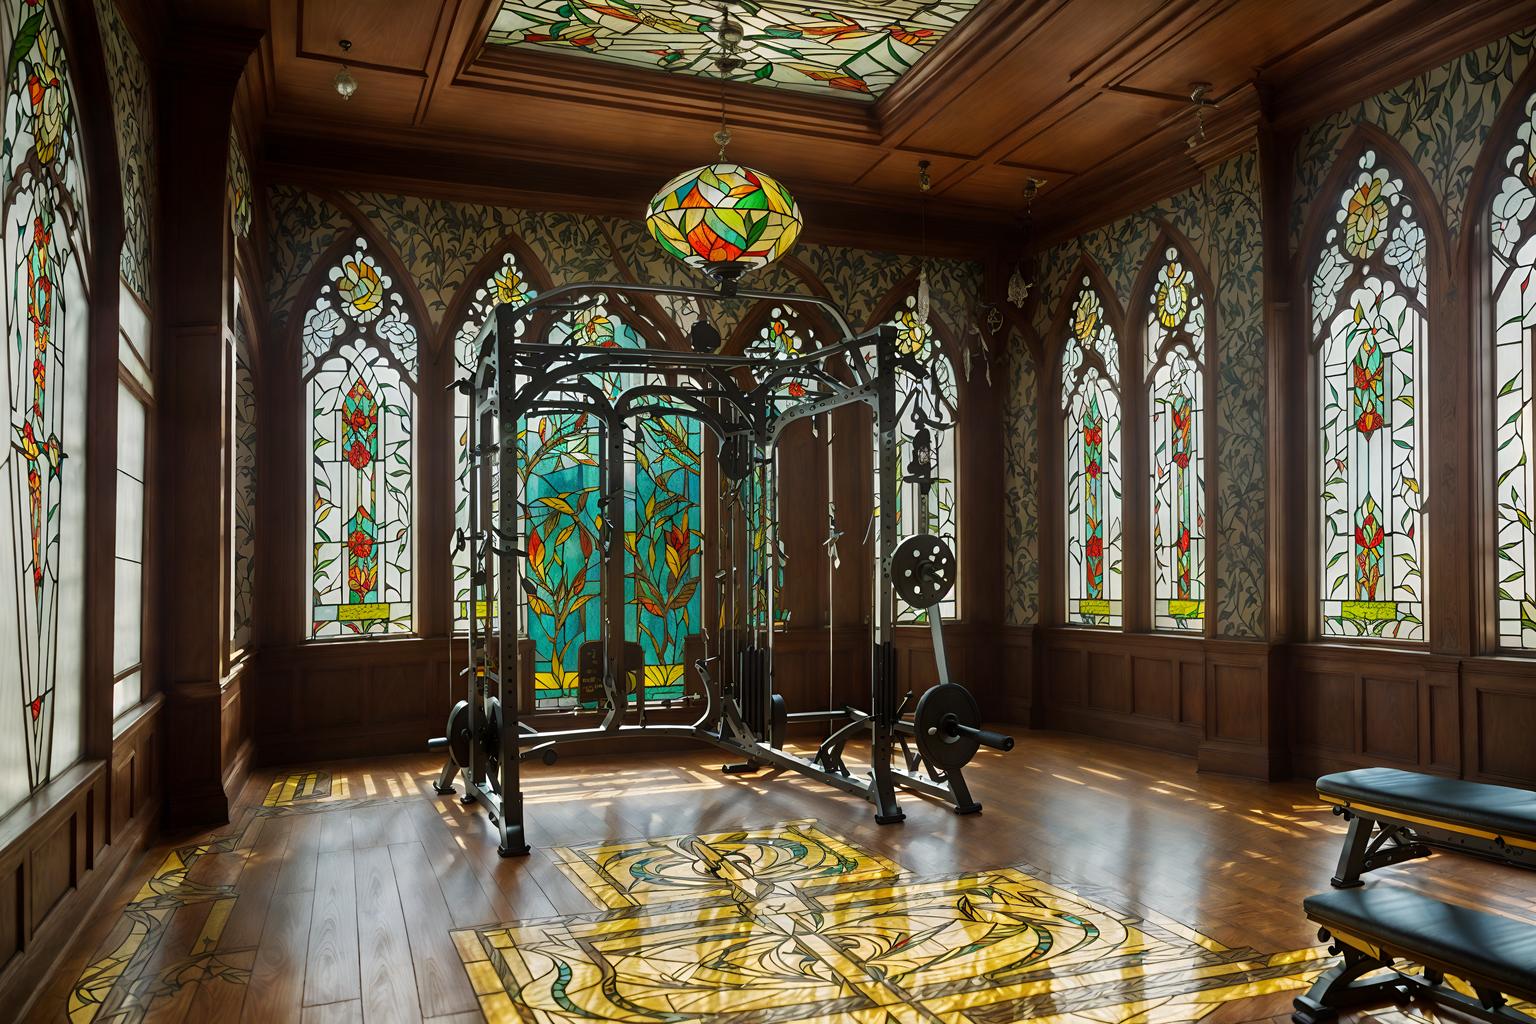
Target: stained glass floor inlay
(793, 924)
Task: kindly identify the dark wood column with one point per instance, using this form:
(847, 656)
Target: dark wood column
(196, 95)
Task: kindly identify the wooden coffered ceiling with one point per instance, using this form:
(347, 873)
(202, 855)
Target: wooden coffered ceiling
(1089, 95)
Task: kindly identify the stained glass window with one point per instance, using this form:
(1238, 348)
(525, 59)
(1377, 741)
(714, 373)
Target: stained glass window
(359, 362)
(45, 213)
(560, 479)
(243, 494)
(1175, 375)
(1369, 324)
(133, 110)
(1090, 402)
(933, 397)
(857, 50)
(506, 284)
(128, 565)
(1512, 245)
(238, 188)
(784, 335)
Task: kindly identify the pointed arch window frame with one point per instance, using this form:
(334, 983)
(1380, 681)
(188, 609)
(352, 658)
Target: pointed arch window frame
(898, 307)
(1414, 191)
(1087, 275)
(397, 294)
(1139, 459)
(1505, 337)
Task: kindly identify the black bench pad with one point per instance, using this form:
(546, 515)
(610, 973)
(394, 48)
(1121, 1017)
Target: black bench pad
(1471, 944)
(1506, 812)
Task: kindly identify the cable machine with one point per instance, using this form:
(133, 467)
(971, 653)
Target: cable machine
(514, 380)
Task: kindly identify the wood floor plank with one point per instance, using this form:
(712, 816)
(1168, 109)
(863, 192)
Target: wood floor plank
(335, 830)
(257, 884)
(332, 972)
(472, 897)
(440, 978)
(277, 977)
(300, 855)
(388, 973)
(348, 1012)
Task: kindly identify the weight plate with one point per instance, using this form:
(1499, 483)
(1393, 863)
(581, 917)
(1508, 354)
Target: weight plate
(943, 747)
(923, 570)
(735, 456)
(778, 726)
(459, 737)
(458, 733)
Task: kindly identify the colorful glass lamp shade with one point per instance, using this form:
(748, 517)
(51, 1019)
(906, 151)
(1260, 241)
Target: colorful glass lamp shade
(724, 219)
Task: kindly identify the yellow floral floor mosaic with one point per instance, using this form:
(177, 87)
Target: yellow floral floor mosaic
(789, 924)
(116, 987)
(792, 924)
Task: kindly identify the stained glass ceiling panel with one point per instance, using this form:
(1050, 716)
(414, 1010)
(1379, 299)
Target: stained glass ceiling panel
(836, 48)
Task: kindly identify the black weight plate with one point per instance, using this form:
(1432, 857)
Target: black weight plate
(735, 456)
(923, 570)
(458, 733)
(947, 751)
(778, 726)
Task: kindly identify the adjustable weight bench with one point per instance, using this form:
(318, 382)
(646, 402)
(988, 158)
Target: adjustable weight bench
(1373, 928)
(1396, 816)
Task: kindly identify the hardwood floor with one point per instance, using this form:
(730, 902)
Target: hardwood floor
(350, 891)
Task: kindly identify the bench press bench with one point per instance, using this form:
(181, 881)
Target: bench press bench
(1378, 931)
(1395, 816)
(1372, 928)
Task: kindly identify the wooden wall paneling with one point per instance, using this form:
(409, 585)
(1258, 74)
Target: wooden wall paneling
(1244, 717)
(1498, 720)
(196, 93)
(62, 853)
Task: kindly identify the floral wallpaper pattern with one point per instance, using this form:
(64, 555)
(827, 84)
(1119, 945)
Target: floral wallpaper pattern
(1021, 486)
(441, 241)
(1442, 118)
(134, 114)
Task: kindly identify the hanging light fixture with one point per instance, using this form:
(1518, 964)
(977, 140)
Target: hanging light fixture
(724, 218)
(346, 85)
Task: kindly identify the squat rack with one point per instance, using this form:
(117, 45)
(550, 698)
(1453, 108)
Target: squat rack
(512, 379)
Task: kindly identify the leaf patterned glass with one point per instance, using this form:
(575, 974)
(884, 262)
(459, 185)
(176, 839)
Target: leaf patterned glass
(1512, 253)
(1090, 402)
(1370, 321)
(359, 360)
(1175, 378)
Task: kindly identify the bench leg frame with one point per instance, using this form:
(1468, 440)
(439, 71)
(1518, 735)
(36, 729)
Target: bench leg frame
(1340, 987)
(1343, 987)
(1369, 845)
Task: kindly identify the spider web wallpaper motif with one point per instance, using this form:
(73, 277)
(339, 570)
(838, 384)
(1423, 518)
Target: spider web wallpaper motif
(849, 49)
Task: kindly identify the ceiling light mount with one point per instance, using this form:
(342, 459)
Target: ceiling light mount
(345, 84)
(1200, 99)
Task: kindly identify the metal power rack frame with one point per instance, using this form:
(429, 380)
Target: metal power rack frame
(513, 379)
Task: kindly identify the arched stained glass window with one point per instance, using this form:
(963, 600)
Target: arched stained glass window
(784, 335)
(935, 399)
(561, 483)
(1370, 310)
(1512, 252)
(506, 284)
(359, 361)
(1090, 402)
(42, 600)
(1175, 378)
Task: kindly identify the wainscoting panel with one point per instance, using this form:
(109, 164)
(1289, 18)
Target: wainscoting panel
(61, 852)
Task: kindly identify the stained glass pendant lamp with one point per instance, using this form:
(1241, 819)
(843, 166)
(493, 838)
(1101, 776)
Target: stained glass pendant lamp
(724, 218)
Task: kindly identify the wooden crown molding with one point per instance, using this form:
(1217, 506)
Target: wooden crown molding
(1341, 68)
(305, 154)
